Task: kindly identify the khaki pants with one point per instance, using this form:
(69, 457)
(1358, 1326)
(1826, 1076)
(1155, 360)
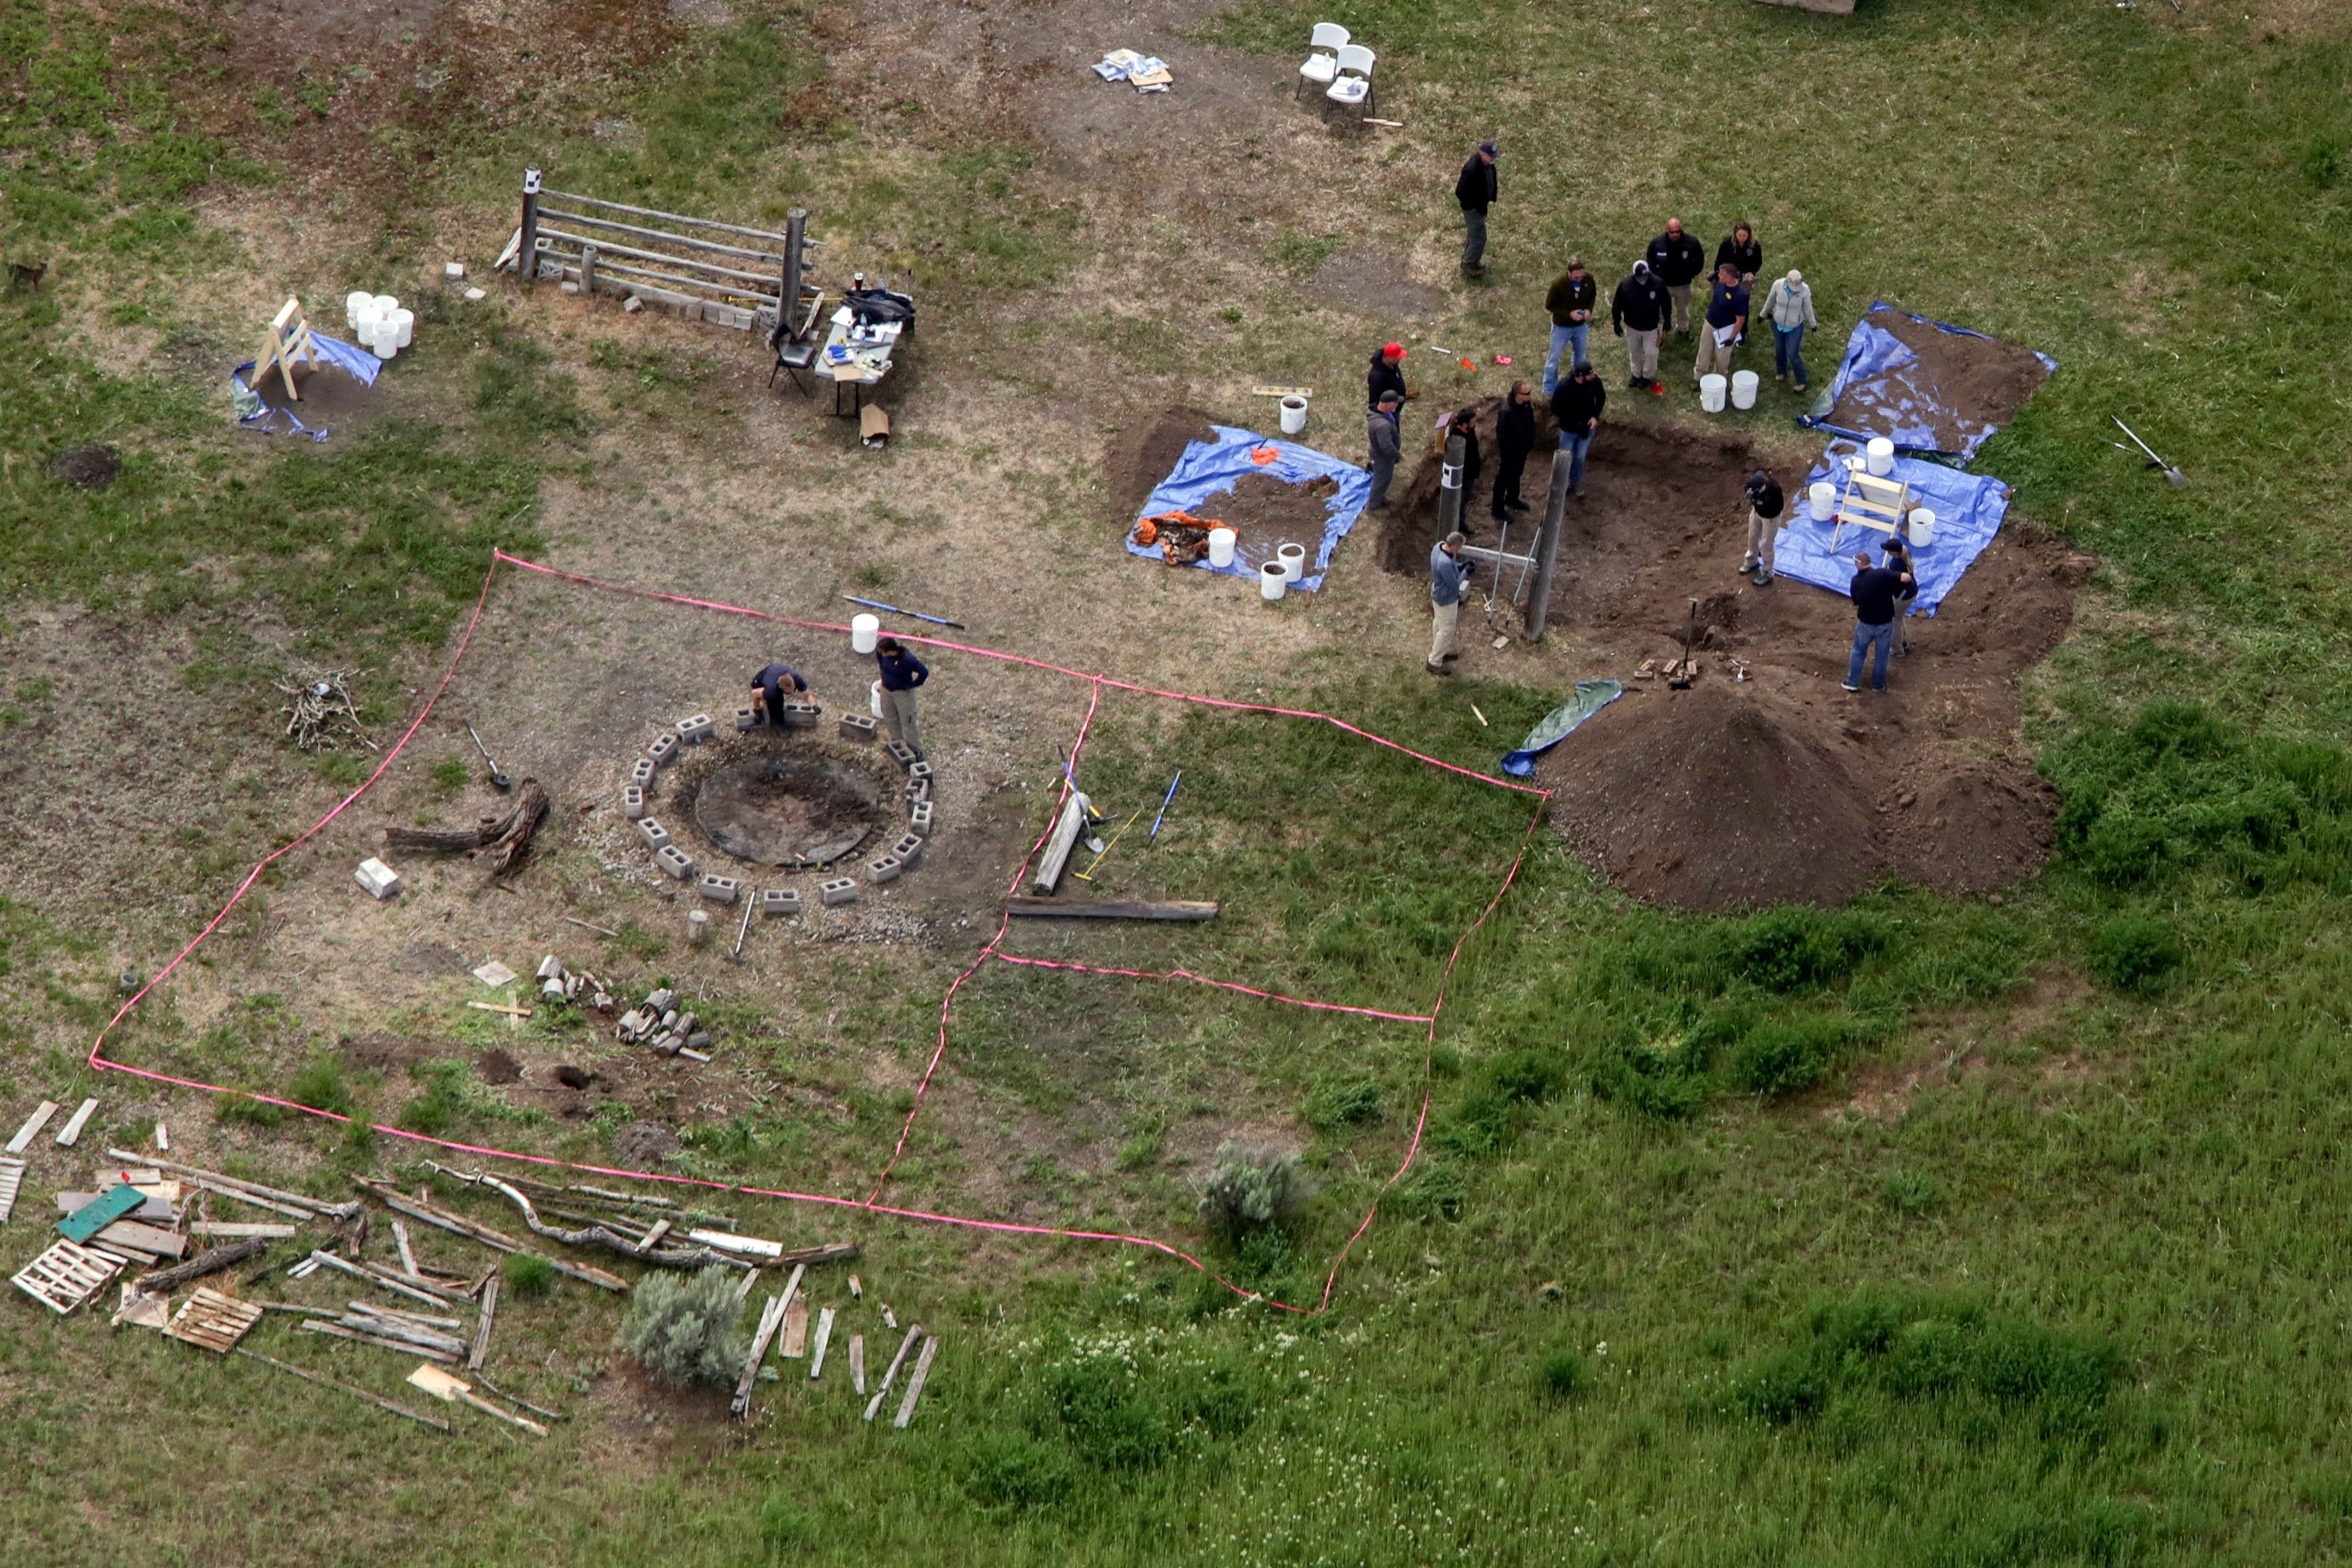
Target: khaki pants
(1441, 635)
(898, 713)
(1681, 297)
(1642, 353)
(1761, 533)
(1713, 358)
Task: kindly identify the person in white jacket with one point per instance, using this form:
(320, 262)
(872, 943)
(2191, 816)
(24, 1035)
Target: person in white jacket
(1790, 308)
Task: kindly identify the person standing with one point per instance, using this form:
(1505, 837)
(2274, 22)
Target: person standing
(1473, 463)
(1637, 312)
(1788, 306)
(1740, 248)
(1476, 190)
(1726, 323)
(1447, 573)
(1677, 259)
(1387, 374)
(1571, 302)
(1385, 441)
(1873, 591)
(901, 673)
(771, 683)
(1577, 405)
(1765, 502)
(1514, 438)
(1898, 559)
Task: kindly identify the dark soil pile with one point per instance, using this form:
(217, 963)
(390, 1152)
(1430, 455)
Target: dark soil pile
(87, 468)
(1972, 827)
(644, 1143)
(1981, 382)
(332, 399)
(1145, 453)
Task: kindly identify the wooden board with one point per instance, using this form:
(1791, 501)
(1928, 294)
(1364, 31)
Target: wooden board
(33, 1125)
(1110, 909)
(71, 1130)
(915, 1384)
(11, 1178)
(823, 1338)
(157, 1211)
(213, 1321)
(64, 1276)
(130, 1234)
(236, 1228)
(795, 1343)
(99, 1213)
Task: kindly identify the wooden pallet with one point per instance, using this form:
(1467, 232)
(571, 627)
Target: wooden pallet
(214, 1320)
(66, 1276)
(12, 1177)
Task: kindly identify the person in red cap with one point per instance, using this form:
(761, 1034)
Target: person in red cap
(1387, 375)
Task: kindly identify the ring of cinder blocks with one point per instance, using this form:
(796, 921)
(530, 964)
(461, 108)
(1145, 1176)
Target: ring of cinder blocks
(893, 863)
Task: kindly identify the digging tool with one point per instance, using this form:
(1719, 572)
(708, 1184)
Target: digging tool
(1104, 854)
(499, 781)
(910, 614)
(1164, 803)
(1679, 677)
(2171, 474)
(737, 956)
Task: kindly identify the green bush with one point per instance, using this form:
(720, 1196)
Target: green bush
(244, 1109)
(1797, 949)
(528, 1274)
(2133, 952)
(1786, 1054)
(1337, 1101)
(1011, 1472)
(1912, 1193)
(1560, 1375)
(1489, 1116)
(1788, 1387)
(685, 1329)
(436, 1110)
(1107, 1418)
(1252, 1186)
(320, 1085)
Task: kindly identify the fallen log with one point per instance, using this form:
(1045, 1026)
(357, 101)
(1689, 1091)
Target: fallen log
(196, 1268)
(507, 838)
(459, 1225)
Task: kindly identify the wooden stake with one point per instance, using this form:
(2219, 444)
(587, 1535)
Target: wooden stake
(434, 1422)
(481, 1346)
(882, 1390)
(823, 1338)
(857, 1363)
(400, 1239)
(915, 1384)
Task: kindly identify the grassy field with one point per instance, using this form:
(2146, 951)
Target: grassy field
(1919, 1232)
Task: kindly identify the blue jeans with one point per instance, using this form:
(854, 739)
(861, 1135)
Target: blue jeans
(1562, 337)
(1575, 445)
(1866, 638)
(1786, 341)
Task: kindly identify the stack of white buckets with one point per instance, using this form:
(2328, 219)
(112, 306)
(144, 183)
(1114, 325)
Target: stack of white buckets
(1878, 459)
(379, 322)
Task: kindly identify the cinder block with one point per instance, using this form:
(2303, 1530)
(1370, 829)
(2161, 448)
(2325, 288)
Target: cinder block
(919, 817)
(901, 753)
(781, 901)
(642, 771)
(919, 791)
(920, 770)
(840, 890)
(675, 861)
(857, 726)
(802, 715)
(664, 748)
(379, 880)
(884, 869)
(633, 801)
(908, 849)
(755, 717)
(695, 730)
(656, 836)
(718, 888)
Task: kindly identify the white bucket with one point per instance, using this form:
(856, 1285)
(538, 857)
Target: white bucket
(385, 304)
(1293, 559)
(1881, 456)
(1743, 389)
(874, 700)
(1293, 415)
(1272, 581)
(1822, 499)
(364, 324)
(864, 631)
(1857, 465)
(1711, 389)
(355, 303)
(1221, 546)
(406, 321)
(385, 339)
(1922, 530)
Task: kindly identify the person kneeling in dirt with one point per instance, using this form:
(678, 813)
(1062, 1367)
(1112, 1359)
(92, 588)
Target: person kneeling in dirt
(1764, 503)
(1875, 590)
(901, 673)
(771, 683)
(1447, 573)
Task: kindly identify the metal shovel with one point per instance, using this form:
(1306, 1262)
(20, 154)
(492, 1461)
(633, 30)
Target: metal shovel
(2170, 473)
(499, 781)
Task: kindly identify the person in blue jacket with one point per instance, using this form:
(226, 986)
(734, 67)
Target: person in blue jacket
(901, 673)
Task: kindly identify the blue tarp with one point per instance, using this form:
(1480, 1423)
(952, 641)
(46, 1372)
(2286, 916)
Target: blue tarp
(1591, 697)
(1206, 471)
(1880, 389)
(254, 415)
(1968, 507)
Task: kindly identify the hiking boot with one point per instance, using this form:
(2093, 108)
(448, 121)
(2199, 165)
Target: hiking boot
(1799, 388)
(1518, 506)
(1440, 669)
(1746, 568)
(1578, 493)
(1849, 685)
(1763, 579)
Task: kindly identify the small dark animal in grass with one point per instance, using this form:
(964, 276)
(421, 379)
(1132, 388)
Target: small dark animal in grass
(24, 276)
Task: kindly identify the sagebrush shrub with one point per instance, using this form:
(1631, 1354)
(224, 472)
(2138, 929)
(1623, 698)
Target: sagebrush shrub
(685, 1329)
(1252, 1186)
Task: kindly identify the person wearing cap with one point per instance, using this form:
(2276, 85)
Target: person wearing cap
(1677, 259)
(1637, 313)
(1447, 573)
(1726, 324)
(1875, 590)
(1476, 190)
(1465, 422)
(1571, 302)
(1577, 405)
(771, 683)
(901, 672)
(1741, 250)
(1386, 443)
(1788, 306)
(1765, 502)
(1514, 438)
(1387, 374)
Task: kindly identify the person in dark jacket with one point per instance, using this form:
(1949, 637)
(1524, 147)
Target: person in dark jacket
(1637, 313)
(1571, 302)
(1875, 590)
(1473, 461)
(1387, 374)
(1678, 259)
(1577, 405)
(1741, 252)
(771, 683)
(1514, 438)
(1765, 504)
(1726, 324)
(1898, 559)
(1476, 190)
(901, 673)
(1385, 441)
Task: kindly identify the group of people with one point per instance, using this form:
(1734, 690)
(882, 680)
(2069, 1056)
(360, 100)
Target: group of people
(900, 671)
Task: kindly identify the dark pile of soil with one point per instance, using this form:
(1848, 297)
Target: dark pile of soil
(1265, 513)
(1145, 453)
(496, 1066)
(86, 468)
(332, 399)
(644, 1143)
(1981, 382)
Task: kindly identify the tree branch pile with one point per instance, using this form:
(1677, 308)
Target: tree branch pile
(319, 712)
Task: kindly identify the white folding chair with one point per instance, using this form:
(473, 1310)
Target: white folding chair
(1321, 67)
(1353, 85)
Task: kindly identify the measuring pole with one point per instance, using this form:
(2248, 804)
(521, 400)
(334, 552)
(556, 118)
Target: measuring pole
(788, 301)
(526, 258)
(1547, 549)
(1449, 486)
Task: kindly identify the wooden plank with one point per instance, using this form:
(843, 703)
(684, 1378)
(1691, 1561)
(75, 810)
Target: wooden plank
(750, 1246)
(797, 1323)
(770, 1314)
(442, 1386)
(481, 1345)
(419, 1292)
(857, 1363)
(33, 1125)
(669, 217)
(687, 240)
(213, 1181)
(64, 1276)
(604, 248)
(433, 1421)
(457, 1224)
(71, 1130)
(403, 1315)
(213, 1321)
(99, 1213)
(12, 1179)
(823, 1338)
(315, 1327)
(235, 1227)
(149, 1208)
(882, 1390)
(407, 1258)
(1110, 909)
(145, 1238)
(915, 1383)
(1067, 826)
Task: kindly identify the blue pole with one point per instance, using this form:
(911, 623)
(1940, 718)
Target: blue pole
(1163, 805)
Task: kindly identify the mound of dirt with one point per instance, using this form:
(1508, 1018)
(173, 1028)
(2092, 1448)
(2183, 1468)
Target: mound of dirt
(644, 1143)
(1981, 381)
(1144, 452)
(87, 468)
(1265, 513)
(1971, 828)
